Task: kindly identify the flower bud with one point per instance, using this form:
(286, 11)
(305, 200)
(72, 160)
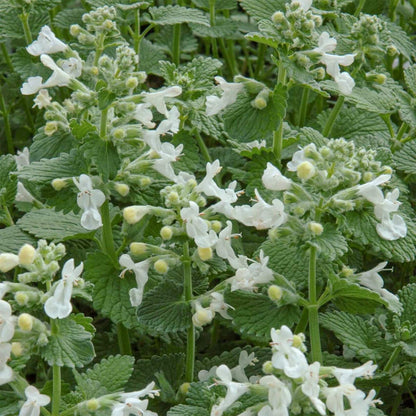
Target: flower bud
(267, 367)
(92, 404)
(205, 253)
(278, 17)
(145, 181)
(17, 349)
(259, 102)
(299, 211)
(166, 232)
(379, 78)
(161, 266)
(25, 322)
(59, 184)
(388, 170)
(132, 82)
(306, 170)
(368, 176)
(138, 249)
(316, 228)
(202, 317)
(122, 189)
(173, 197)
(22, 298)
(275, 292)
(216, 226)
(75, 30)
(297, 340)
(184, 387)
(8, 261)
(347, 271)
(392, 50)
(51, 127)
(119, 133)
(94, 71)
(27, 254)
(320, 73)
(135, 213)
(141, 77)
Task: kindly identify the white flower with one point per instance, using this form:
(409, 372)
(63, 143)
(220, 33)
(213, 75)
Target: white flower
(59, 306)
(23, 195)
(335, 397)
(261, 215)
(202, 316)
(6, 322)
(234, 390)
(230, 91)
(31, 407)
(348, 375)
(6, 373)
(157, 98)
(373, 281)
(46, 43)
(147, 391)
(218, 305)
(371, 191)
(144, 115)
(274, 180)
(244, 360)
(132, 406)
(171, 123)
(89, 200)
(140, 270)
(279, 396)
(286, 357)
(304, 4)
(387, 205)
(72, 66)
(345, 83)
(360, 404)
(42, 100)
(299, 157)
(392, 228)
(223, 245)
(23, 157)
(310, 387)
(8, 261)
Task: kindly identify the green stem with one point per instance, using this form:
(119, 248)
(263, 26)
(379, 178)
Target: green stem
(314, 334)
(56, 380)
(303, 321)
(24, 18)
(123, 340)
(260, 60)
(187, 289)
(107, 233)
(392, 11)
(402, 131)
(396, 352)
(137, 36)
(103, 123)
(278, 141)
(203, 147)
(100, 48)
(359, 8)
(8, 220)
(387, 120)
(226, 53)
(332, 117)
(281, 76)
(6, 56)
(303, 107)
(176, 46)
(7, 128)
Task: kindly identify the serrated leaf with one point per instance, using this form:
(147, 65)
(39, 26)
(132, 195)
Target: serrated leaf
(362, 228)
(353, 298)
(211, 126)
(111, 293)
(254, 314)
(172, 15)
(223, 28)
(405, 158)
(245, 123)
(82, 128)
(9, 403)
(199, 394)
(331, 243)
(410, 79)
(46, 170)
(12, 238)
(48, 147)
(262, 38)
(397, 37)
(219, 4)
(103, 154)
(172, 366)
(203, 70)
(109, 376)
(67, 17)
(8, 183)
(262, 9)
(163, 308)
(150, 55)
(52, 225)
(187, 410)
(355, 332)
(407, 297)
(70, 346)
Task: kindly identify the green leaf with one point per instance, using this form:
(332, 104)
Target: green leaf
(109, 376)
(111, 293)
(361, 227)
(48, 147)
(163, 308)
(407, 297)
(46, 170)
(262, 9)
(51, 225)
(219, 4)
(172, 15)
(410, 78)
(262, 38)
(70, 346)
(331, 243)
(397, 37)
(202, 70)
(67, 17)
(187, 410)
(405, 158)
(255, 314)
(223, 28)
(82, 128)
(245, 123)
(355, 332)
(150, 55)
(201, 395)
(9, 403)
(8, 182)
(12, 238)
(103, 154)
(352, 297)
(172, 366)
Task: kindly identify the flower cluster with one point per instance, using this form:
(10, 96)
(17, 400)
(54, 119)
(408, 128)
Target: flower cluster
(294, 385)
